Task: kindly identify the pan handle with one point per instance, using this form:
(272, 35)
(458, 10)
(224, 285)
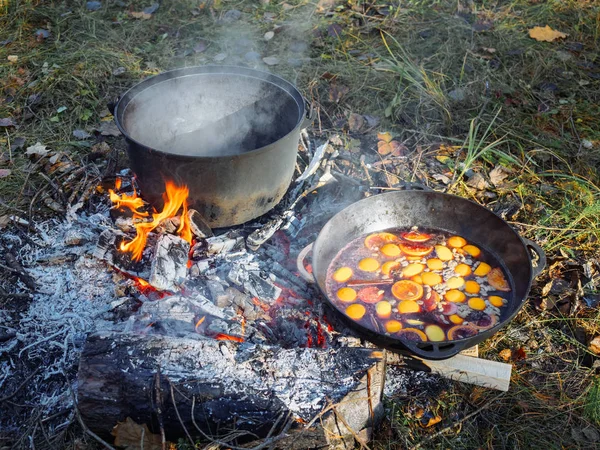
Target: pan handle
(111, 106)
(309, 114)
(541, 262)
(435, 350)
(308, 277)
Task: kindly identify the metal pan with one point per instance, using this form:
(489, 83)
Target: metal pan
(429, 209)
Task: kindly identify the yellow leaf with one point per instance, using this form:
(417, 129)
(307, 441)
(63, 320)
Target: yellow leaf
(546, 34)
(433, 421)
(140, 15)
(443, 159)
(386, 137)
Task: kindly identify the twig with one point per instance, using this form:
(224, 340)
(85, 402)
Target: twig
(12, 262)
(158, 408)
(9, 396)
(82, 423)
(47, 338)
(449, 427)
(179, 416)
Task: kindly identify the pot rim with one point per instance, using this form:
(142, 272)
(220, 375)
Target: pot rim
(396, 340)
(261, 75)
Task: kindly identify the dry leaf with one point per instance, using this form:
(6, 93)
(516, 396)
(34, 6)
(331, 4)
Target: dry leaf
(5, 172)
(337, 91)
(505, 354)
(595, 345)
(386, 137)
(355, 122)
(140, 15)
(546, 34)
(128, 434)
(498, 175)
(433, 421)
(37, 149)
(12, 58)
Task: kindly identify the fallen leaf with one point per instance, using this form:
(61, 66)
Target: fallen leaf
(12, 58)
(41, 34)
(200, 47)
(386, 137)
(546, 34)
(4, 221)
(432, 421)
(269, 35)
(119, 71)
(81, 134)
(505, 354)
(441, 177)
(443, 159)
(17, 143)
(478, 182)
(140, 15)
(93, 6)
(129, 434)
(109, 128)
(498, 174)
(37, 149)
(334, 30)
(394, 148)
(594, 345)
(271, 60)
(519, 354)
(220, 57)
(337, 92)
(355, 122)
(7, 122)
(5, 172)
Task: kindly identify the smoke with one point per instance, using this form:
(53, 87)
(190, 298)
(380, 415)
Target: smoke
(218, 114)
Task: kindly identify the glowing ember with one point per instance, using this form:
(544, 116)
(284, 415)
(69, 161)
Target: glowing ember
(227, 337)
(175, 198)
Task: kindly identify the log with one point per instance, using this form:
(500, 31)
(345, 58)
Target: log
(219, 386)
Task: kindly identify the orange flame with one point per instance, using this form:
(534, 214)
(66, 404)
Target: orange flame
(199, 322)
(175, 198)
(133, 202)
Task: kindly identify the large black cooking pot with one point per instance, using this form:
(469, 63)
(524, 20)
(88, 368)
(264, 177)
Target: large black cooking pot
(429, 209)
(229, 134)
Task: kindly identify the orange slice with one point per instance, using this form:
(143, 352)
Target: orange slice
(415, 249)
(435, 333)
(377, 240)
(443, 253)
(496, 301)
(455, 282)
(346, 294)
(413, 334)
(455, 296)
(342, 274)
(435, 264)
(462, 332)
(463, 270)
(416, 236)
(417, 279)
(407, 290)
(388, 266)
(393, 326)
(477, 303)
(408, 306)
(456, 319)
(472, 287)
(456, 242)
(431, 278)
(368, 264)
(391, 250)
(383, 309)
(356, 311)
(497, 280)
(412, 269)
(370, 294)
(472, 250)
(482, 269)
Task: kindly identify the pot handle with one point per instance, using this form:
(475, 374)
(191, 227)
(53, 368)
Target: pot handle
(541, 262)
(308, 277)
(309, 114)
(435, 350)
